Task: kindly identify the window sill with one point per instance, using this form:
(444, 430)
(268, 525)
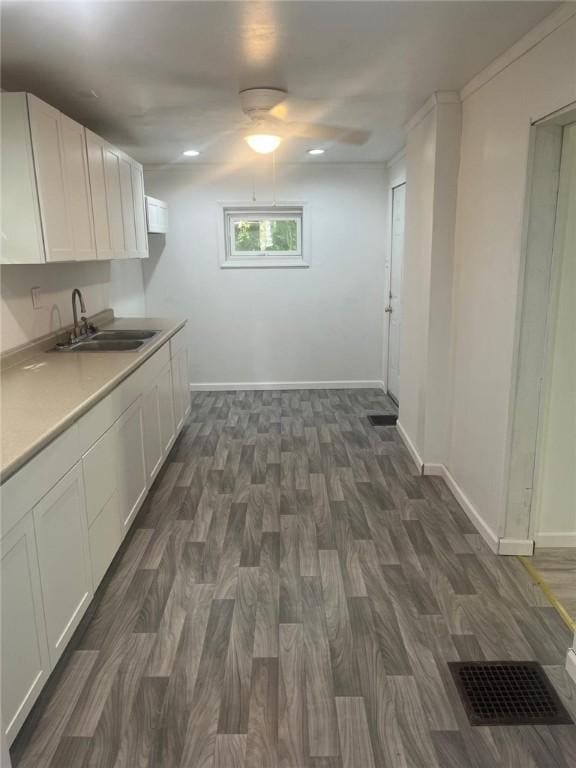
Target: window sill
(260, 264)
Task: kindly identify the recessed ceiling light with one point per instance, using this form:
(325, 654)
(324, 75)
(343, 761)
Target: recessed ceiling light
(191, 153)
(316, 151)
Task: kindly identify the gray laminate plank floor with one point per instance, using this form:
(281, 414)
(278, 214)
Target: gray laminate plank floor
(288, 597)
(557, 567)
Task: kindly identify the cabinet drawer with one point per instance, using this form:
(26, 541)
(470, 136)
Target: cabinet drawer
(24, 489)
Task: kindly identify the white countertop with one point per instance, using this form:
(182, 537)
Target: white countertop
(44, 394)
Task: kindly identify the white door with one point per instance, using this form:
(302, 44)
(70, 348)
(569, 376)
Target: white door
(130, 462)
(167, 424)
(128, 209)
(139, 211)
(79, 198)
(45, 128)
(152, 430)
(63, 555)
(394, 308)
(25, 663)
(95, 149)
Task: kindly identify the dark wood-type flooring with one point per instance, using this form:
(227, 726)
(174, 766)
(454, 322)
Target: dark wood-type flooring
(289, 595)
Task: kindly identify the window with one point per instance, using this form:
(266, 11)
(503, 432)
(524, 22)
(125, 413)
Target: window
(263, 237)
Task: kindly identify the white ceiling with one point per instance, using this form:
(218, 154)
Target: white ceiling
(167, 74)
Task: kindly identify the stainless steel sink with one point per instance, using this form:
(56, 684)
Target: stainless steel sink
(96, 345)
(121, 334)
(110, 341)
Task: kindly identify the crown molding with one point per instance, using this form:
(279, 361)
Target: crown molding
(530, 40)
(438, 97)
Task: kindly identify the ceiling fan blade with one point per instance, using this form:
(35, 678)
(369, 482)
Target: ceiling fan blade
(328, 132)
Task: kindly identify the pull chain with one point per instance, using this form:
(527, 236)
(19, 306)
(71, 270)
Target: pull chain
(274, 178)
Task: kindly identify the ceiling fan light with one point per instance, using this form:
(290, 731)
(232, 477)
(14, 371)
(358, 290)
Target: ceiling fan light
(263, 143)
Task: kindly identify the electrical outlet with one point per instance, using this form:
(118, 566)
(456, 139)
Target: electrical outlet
(36, 297)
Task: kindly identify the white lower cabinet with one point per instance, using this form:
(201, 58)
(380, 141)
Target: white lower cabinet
(25, 661)
(67, 512)
(153, 453)
(181, 387)
(64, 559)
(130, 462)
(167, 423)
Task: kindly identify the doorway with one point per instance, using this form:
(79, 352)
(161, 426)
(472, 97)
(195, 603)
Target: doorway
(394, 307)
(541, 499)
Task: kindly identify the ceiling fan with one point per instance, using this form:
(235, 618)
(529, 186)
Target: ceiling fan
(267, 109)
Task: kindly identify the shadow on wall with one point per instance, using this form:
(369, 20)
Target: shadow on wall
(22, 323)
(156, 247)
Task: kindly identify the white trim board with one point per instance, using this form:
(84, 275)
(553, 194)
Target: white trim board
(260, 385)
(411, 447)
(571, 663)
(516, 547)
(530, 40)
(483, 529)
(557, 539)
(438, 97)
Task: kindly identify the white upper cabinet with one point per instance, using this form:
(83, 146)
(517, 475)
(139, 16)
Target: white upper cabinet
(101, 199)
(139, 210)
(78, 189)
(68, 195)
(47, 144)
(21, 234)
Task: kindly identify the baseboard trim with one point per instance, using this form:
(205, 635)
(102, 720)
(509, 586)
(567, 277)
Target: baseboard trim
(516, 547)
(571, 663)
(275, 385)
(567, 539)
(411, 447)
(483, 529)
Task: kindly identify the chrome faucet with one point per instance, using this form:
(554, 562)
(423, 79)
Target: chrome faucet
(76, 331)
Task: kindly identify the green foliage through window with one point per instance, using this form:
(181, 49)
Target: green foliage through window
(266, 235)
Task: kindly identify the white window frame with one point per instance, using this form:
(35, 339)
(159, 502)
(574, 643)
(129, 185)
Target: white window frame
(231, 213)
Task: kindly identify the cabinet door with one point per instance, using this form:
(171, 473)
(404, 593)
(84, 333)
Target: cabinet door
(25, 661)
(166, 395)
(97, 175)
(105, 530)
(130, 462)
(62, 539)
(152, 432)
(79, 199)
(185, 382)
(128, 211)
(21, 234)
(114, 196)
(181, 386)
(51, 180)
(177, 393)
(139, 211)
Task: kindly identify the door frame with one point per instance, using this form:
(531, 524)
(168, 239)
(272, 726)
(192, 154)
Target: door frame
(389, 281)
(531, 365)
(397, 176)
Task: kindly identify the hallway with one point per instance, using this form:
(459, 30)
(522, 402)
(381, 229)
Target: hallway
(289, 595)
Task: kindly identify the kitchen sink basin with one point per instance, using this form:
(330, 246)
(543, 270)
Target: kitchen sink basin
(124, 335)
(97, 345)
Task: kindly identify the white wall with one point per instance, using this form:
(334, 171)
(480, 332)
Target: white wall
(251, 326)
(488, 251)
(420, 170)
(103, 284)
(555, 488)
(432, 167)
